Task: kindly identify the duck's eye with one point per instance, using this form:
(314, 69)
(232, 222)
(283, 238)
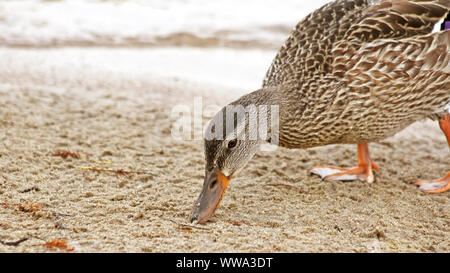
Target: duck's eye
(232, 144)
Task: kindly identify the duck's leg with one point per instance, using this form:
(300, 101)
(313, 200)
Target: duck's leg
(361, 172)
(438, 185)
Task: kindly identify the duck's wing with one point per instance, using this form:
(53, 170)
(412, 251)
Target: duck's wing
(396, 19)
(307, 51)
(405, 69)
(340, 28)
(391, 58)
(383, 22)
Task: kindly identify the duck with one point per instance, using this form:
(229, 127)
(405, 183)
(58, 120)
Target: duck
(351, 72)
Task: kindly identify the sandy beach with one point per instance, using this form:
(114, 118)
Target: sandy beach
(123, 122)
(87, 157)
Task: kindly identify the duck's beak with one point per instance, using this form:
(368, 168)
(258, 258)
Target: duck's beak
(213, 190)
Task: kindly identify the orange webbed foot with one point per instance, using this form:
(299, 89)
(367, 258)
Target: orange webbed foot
(435, 186)
(438, 185)
(361, 172)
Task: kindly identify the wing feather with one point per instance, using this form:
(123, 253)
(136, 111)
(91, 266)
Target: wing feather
(321, 44)
(397, 19)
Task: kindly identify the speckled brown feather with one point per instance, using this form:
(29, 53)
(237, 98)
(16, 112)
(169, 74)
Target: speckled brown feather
(356, 72)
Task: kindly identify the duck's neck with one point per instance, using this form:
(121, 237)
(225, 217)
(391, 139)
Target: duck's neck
(266, 104)
(289, 131)
(261, 97)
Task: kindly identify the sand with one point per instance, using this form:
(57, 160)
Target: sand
(119, 121)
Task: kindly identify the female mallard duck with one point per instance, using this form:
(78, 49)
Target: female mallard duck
(353, 71)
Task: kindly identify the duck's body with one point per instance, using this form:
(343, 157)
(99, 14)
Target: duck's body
(354, 71)
(348, 78)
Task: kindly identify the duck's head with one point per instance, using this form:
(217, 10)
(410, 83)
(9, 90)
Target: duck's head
(223, 160)
(231, 141)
